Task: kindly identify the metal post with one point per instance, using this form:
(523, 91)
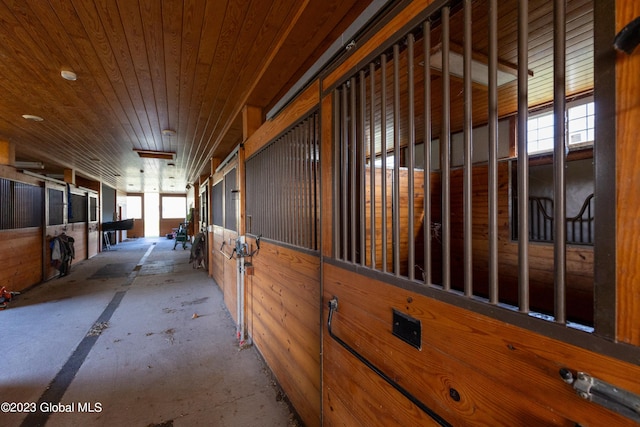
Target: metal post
(383, 168)
(395, 215)
(523, 156)
(559, 205)
(410, 156)
(445, 147)
(468, 155)
(362, 160)
(493, 151)
(427, 151)
(372, 158)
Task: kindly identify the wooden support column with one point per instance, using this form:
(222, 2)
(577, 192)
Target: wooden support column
(628, 176)
(7, 153)
(70, 176)
(251, 120)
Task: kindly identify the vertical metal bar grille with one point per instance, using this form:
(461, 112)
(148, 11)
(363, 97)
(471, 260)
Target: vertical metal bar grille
(372, 169)
(353, 155)
(395, 206)
(410, 156)
(20, 205)
(559, 226)
(445, 154)
(387, 111)
(523, 156)
(344, 162)
(493, 151)
(361, 169)
(426, 223)
(468, 159)
(282, 186)
(383, 154)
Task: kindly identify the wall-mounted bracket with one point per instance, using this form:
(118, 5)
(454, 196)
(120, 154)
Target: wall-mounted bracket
(611, 397)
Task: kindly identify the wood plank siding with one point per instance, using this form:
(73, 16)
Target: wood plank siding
(301, 179)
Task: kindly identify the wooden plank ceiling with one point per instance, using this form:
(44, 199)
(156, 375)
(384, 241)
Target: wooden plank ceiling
(144, 66)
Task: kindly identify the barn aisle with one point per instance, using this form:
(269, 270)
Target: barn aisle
(134, 336)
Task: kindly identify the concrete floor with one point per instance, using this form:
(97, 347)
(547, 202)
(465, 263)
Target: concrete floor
(116, 343)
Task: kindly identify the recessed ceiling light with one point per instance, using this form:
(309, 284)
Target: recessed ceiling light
(152, 154)
(32, 117)
(68, 75)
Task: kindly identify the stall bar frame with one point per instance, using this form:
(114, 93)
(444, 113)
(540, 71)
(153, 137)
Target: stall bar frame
(350, 209)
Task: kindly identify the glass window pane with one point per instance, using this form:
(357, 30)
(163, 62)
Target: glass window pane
(174, 207)
(134, 207)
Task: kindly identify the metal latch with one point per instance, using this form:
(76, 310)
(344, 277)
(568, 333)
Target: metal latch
(611, 397)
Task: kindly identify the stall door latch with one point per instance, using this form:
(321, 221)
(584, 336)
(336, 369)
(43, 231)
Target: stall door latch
(611, 397)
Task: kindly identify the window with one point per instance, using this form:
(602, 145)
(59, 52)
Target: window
(282, 187)
(134, 207)
(174, 207)
(580, 128)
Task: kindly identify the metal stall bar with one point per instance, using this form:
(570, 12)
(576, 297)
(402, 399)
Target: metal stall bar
(372, 158)
(337, 150)
(467, 186)
(345, 169)
(295, 191)
(281, 210)
(445, 154)
(288, 195)
(523, 156)
(304, 183)
(315, 163)
(559, 205)
(362, 161)
(353, 155)
(395, 213)
(426, 48)
(411, 155)
(493, 151)
(383, 152)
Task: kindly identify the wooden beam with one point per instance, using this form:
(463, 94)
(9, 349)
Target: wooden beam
(251, 120)
(7, 153)
(70, 176)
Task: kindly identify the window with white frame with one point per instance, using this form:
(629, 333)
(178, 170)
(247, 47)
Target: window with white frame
(174, 207)
(134, 207)
(580, 128)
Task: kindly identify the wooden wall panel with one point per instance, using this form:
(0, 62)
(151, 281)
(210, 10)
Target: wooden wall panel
(218, 260)
(627, 179)
(579, 277)
(79, 233)
(284, 322)
(167, 226)
(521, 385)
(230, 274)
(21, 254)
(403, 211)
(137, 230)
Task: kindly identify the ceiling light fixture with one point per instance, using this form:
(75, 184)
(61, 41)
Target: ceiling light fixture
(479, 71)
(151, 154)
(69, 75)
(32, 117)
(29, 165)
(168, 132)
(506, 72)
